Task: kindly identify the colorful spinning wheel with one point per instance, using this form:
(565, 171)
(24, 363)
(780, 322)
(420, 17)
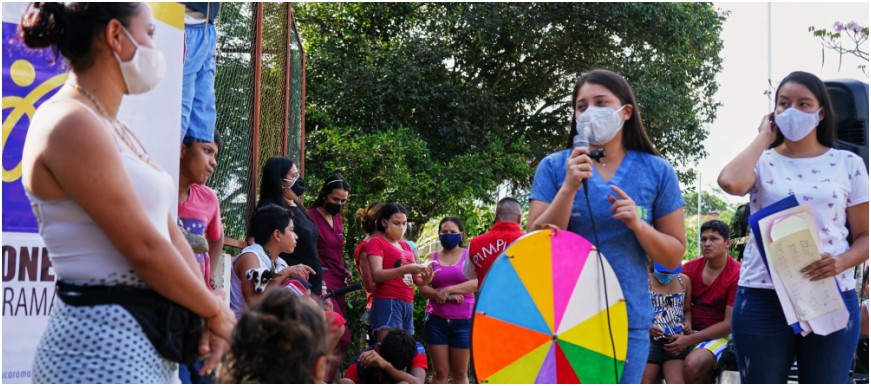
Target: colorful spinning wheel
(542, 317)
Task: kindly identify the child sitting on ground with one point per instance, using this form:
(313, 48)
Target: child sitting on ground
(279, 340)
(398, 358)
(672, 315)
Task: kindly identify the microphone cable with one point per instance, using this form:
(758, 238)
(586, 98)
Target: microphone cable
(604, 282)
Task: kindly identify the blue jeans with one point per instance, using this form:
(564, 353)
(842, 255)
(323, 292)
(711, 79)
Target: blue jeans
(392, 313)
(198, 112)
(636, 355)
(766, 346)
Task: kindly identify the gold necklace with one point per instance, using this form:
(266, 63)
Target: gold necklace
(121, 130)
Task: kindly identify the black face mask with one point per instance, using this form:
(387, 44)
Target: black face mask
(298, 187)
(332, 208)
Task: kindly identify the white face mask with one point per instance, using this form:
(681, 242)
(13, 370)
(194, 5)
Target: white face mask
(795, 124)
(144, 70)
(603, 123)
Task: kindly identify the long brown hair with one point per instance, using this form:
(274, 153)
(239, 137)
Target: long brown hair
(634, 135)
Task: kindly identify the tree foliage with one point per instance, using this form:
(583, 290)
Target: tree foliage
(483, 88)
(435, 105)
(711, 203)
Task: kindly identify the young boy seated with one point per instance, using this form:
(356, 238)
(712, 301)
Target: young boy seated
(280, 340)
(272, 227)
(398, 358)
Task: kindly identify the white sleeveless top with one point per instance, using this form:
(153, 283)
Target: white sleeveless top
(237, 299)
(78, 248)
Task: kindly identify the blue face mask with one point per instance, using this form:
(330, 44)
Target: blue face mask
(664, 278)
(450, 240)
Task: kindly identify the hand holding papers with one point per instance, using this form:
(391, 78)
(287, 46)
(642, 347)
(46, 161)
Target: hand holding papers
(787, 236)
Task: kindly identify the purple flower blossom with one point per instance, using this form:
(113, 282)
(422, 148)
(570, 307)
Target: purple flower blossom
(853, 26)
(838, 26)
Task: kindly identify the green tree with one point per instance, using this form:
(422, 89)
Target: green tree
(485, 87)
(435, 105)
(711, 203)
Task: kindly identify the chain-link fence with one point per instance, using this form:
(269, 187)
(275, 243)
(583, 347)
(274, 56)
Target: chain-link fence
(259, 87)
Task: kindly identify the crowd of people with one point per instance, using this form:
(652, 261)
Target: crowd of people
(136, 290)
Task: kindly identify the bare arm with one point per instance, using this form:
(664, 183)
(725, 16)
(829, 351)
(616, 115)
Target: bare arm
(84, 159)
(665, 240)
(216, 247)
(464, 288)
(718, 330)
(247, 261)
(863, 311)
(688, 304)
(366, 273)
(381, 275)
(739, 175)
(430, 293)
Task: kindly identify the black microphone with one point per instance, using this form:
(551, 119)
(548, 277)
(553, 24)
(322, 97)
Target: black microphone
(343, 290)
(581, 140)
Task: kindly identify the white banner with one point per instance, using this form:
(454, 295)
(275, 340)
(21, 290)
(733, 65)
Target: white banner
(28, 80)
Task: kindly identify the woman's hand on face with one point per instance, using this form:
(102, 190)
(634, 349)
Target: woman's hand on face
(623, 209)
(828, 266)
(578, 168)
(768, 129)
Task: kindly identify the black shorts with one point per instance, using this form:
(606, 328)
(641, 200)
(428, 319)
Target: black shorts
(658, 355)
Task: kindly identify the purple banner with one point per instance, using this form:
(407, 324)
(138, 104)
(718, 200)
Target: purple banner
(29, 78)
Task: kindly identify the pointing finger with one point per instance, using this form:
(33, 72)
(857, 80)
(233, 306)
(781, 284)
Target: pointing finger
(620, 192)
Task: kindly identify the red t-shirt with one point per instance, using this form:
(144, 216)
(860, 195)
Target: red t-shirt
(377, 376)
(357, 252)
(392, 258)
(484, 248)
(710, 301)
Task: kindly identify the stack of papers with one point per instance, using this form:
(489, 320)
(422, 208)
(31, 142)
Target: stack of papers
(787, 237)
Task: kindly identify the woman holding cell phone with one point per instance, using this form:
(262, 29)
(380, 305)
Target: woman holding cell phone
(390, 259)
(794, 154)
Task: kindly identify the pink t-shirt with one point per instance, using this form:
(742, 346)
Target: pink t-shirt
(201, 215)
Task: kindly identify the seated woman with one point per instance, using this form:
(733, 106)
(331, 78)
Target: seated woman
(281, 339)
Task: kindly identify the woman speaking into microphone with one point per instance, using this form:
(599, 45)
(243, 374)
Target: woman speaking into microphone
(633, 194)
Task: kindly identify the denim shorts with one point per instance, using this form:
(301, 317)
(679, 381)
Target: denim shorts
(455, 333)
(392, 313)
